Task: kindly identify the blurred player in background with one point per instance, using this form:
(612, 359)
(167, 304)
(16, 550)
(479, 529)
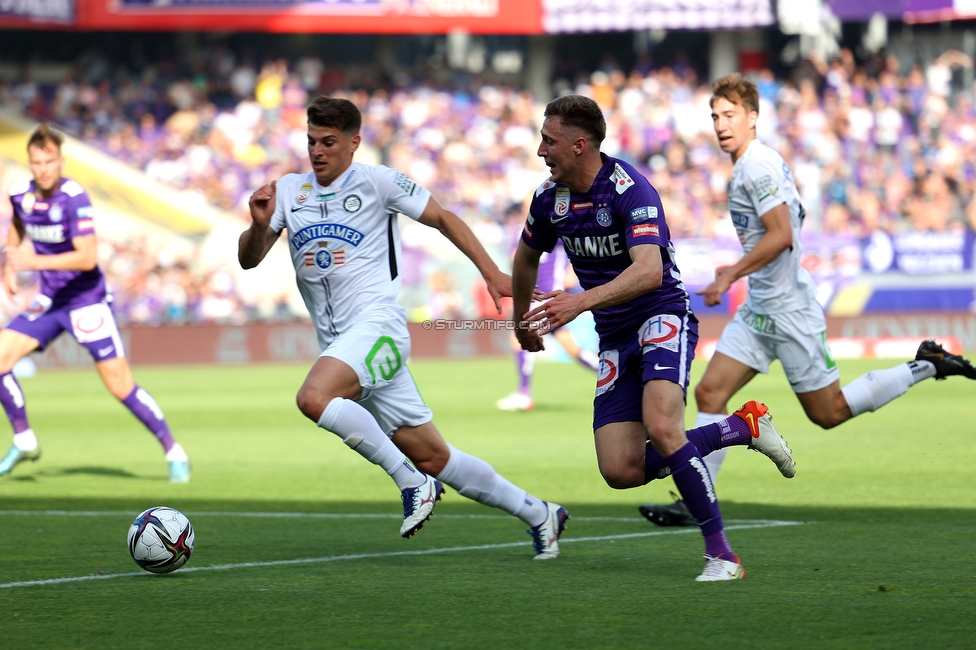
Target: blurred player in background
(344, 242)
(781, 319)
(552, 275)
(55, 214)
(613, 226)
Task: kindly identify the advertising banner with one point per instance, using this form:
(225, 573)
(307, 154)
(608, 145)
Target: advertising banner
(316, 16)
(16, 13)
(560, 16)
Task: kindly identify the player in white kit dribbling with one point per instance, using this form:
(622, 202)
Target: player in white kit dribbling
(345, 244)
(781, 319)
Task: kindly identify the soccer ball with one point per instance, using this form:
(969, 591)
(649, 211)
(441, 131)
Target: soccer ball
(161, 539)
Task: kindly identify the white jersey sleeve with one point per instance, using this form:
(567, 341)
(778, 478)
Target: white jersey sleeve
(282, 198)
(400, 193)
(761, 181)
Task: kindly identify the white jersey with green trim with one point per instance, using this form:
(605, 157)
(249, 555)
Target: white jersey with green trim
(344, 241)
(761, 180)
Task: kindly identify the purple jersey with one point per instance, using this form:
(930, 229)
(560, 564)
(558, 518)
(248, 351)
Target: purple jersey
(51, 223)
(621, 210)
(552, 270)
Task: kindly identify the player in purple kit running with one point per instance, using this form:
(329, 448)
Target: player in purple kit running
(612, 224)
(55, 214)
(551, 277)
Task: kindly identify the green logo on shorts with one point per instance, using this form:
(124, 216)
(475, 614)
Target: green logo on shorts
(389, 361)
(828, 357)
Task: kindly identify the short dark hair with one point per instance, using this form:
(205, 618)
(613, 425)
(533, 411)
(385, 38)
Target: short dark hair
(579, 112)
(737, 90)
(334, 113)
(44, 135)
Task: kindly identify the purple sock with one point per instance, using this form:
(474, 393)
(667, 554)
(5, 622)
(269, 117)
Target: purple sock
(525, 364)
(718, 544)
(144, 407)
(733, 430)
(695, 486)
(12, 398)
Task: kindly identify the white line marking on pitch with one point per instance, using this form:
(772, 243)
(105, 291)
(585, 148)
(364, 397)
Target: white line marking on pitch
(363, 556)
(310, 515)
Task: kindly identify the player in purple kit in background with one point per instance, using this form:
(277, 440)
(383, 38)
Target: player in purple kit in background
(55, 214)
(613, 226)
(551, 277)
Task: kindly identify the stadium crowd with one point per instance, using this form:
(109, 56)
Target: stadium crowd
(873, 145)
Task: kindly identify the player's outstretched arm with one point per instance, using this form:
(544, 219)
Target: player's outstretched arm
(458, 232)
(15, 235)
(525, 273)
(778, 237)
(644, 274)
(256, 241)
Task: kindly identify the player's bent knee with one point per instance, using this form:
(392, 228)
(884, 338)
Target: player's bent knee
(620, 479)
(310, 404)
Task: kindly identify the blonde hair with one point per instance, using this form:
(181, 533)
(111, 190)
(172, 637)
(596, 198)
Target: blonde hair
(737, 90)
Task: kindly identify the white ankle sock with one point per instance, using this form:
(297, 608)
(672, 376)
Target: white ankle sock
(26, 440)
(477, 480)
(176, 453)
(359, 430)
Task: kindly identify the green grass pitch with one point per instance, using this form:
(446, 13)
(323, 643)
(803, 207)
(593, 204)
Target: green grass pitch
(297, 542)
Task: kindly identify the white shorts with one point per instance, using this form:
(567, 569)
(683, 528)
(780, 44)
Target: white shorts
(376, 348)
(797, 338)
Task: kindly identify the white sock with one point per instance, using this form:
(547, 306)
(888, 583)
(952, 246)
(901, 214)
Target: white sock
(875, 389)
(477, 480)
(25, 440)
(359, 430)
(713, 461)
(176, 453)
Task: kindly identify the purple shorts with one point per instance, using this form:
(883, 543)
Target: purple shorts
(663, 348)
(93, 326)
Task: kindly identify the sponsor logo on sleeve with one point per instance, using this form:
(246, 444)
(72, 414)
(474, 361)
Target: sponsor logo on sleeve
(643, 213)
(548, 185)
(404, 183)
(621, 179)
(661, 332)
(608, 371)
(604, 218)
(528, 231)
(352, 203)
(304, 192)
(562, 201)
(645, 230)
(765, 187)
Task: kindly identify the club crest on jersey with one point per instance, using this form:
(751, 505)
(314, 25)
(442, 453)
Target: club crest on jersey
(608, 372)
(55, 213)
(352, 203)
(304, 192)
(562, 201)
(621, 179)
(27, 203)
(660, 332)
(604, 218)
